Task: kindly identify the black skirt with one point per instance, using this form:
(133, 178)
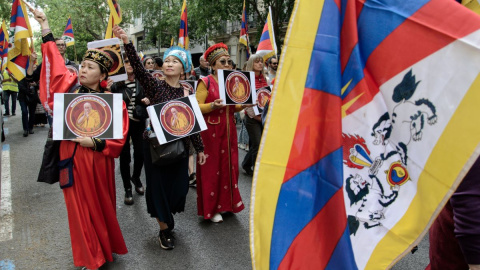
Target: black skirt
(167, 187)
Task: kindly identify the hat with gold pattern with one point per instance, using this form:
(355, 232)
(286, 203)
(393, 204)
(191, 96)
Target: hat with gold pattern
(100, 57)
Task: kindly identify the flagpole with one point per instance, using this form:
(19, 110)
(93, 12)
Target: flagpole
(75, 52)
(28, 5)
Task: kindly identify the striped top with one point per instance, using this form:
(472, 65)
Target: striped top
(131, 105)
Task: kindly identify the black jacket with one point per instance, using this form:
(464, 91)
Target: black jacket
(121, 87)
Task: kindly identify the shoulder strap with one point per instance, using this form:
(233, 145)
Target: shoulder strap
(75, 150)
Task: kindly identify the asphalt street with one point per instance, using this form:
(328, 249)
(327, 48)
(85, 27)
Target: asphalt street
(34, 230)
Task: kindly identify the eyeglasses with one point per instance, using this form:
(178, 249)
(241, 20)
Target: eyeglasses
(226, 62)
(60, 44)
(274, 63)
(126, 61)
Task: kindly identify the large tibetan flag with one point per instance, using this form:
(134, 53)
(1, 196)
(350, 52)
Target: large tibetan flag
(244, 31)
(183, 40)
(20, 31)
(267, 46)
(3, 47)
(376, 130)
(114, 18)
(68, 33)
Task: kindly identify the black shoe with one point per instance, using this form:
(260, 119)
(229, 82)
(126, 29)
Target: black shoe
(13, 114)
(128, 197)
(138, 186)
(6, 114)
(192, 180)
(248, 170)
(166, 239)
(25, 133)
(31, 131)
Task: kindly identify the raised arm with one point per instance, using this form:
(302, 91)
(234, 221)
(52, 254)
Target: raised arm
(149, 83)
(55, 77)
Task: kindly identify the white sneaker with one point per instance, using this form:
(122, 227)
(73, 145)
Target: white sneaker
(217, 218)
(241, 146)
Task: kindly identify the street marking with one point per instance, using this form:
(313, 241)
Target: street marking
(7, 265)
(5, 131)
(6, 215)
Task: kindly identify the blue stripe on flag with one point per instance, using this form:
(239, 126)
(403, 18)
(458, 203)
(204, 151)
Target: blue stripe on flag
(326, 52)
(389, 20)
(265, 36)
(316, 185)
(338, 258)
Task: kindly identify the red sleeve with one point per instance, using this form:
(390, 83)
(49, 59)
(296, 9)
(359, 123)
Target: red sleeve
(114, 147)
(54, 76)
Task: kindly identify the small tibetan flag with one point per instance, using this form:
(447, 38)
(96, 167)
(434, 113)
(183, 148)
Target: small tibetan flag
(183, 34)
(68, 33)
(267, 46)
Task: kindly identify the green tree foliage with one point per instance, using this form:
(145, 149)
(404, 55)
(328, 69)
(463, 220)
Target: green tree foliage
(5, 11)
(161, 18)
(281, 12)
(89, 20)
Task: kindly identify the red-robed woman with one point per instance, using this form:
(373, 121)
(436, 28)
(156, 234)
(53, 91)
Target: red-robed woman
(91, 205)
(217, 179)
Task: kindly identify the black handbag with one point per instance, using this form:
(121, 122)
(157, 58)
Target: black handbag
(140, 112)
(165, 154)
(66, 170)
(49, 171)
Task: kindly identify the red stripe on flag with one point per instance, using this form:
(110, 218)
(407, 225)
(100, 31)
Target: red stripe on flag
(411, 42)
(318, 131)
(348, 34)
(315, 244)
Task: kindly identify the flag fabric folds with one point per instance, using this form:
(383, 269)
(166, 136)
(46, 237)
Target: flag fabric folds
(244, 31)
(267, 46)
(68, 33)
(3, 47)
(374, 124)
(114, 18)
(183, 34)
(20, 31)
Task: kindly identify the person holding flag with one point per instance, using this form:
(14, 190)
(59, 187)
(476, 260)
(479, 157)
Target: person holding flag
(94, 230)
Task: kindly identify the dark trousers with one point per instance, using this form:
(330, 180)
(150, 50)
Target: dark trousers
(135, 132)
(6, 98)
(28, 114)
(254, 129)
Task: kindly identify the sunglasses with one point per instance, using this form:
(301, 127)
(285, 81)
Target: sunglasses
(126, 61)
(275, 64)
(226, 62)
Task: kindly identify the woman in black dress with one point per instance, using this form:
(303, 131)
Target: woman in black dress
(167, 186)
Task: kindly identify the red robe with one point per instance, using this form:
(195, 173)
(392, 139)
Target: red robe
(91, 202)
(217, 179)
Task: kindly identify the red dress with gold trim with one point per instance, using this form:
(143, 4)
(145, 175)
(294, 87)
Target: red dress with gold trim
(91, 202)
(217, 179)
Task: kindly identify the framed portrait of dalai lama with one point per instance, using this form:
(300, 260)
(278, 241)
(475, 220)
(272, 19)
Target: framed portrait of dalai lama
(237, 87)
(91, 115)
(176, 119)
(263, 95)
(114, 48)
